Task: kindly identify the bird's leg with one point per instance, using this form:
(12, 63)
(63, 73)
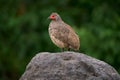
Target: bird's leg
(62, 49)
(69, 49)
(76, 50)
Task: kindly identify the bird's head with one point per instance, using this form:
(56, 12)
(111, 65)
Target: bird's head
(55, 17)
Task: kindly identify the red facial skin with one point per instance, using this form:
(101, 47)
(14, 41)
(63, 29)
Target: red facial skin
(52, 17)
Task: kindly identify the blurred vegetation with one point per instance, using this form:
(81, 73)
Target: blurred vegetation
(24, 31)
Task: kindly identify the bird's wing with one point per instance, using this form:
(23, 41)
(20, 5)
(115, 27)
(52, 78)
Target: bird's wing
(73, 38)
(61, 33)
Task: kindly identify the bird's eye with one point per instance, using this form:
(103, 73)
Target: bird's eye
(53, 16)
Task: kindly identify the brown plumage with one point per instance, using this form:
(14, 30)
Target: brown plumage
(61, 34)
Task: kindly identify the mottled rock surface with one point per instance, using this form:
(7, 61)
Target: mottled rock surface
(68, 66)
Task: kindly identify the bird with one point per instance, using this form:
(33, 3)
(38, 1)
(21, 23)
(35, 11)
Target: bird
(61, 34)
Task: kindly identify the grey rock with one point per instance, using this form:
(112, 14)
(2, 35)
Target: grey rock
(68, 66)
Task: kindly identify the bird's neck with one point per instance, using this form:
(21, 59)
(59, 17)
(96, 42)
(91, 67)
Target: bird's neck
(57, 21)
(54, 24)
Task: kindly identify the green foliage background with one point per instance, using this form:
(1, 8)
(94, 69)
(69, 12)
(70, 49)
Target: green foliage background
(24, 31)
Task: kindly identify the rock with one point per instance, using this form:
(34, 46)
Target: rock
(68, 66)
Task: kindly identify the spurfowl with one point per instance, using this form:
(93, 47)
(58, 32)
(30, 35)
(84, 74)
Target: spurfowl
(61, 34)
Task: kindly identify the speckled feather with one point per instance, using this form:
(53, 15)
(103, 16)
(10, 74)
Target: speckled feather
(63, 35)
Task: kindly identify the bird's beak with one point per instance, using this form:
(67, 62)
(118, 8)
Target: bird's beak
(48, 18)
